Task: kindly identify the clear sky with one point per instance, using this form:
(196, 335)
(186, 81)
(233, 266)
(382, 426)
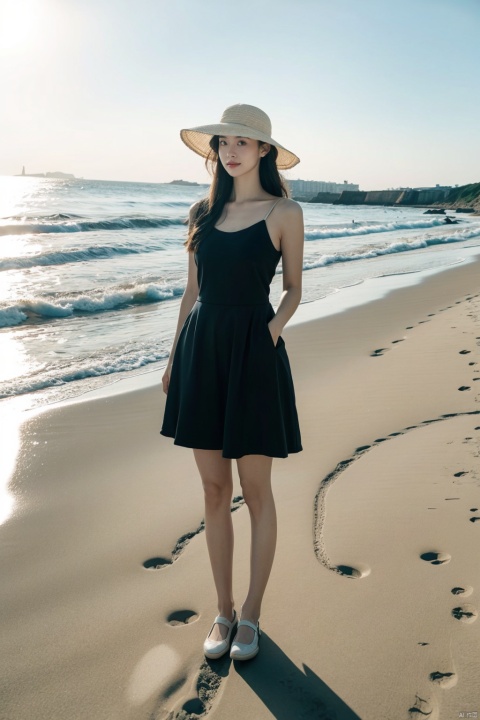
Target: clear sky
(383, 93)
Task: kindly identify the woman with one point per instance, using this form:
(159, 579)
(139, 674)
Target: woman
(229, 387)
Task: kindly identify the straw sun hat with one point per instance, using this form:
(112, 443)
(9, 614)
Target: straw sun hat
(243, 121)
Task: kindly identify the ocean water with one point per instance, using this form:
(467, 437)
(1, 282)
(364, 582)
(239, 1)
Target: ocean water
(92, 272)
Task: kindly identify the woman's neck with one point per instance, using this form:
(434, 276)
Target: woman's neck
(247, 188)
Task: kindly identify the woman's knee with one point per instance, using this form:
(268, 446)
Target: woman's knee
(216, 474)
(256, 493)
(218, 490)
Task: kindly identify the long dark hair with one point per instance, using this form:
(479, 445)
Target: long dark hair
(209, 209)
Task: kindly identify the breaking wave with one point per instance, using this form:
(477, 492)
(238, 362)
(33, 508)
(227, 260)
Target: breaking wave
(47, 224)
(92, 302)
(368, 228)
(396, 247)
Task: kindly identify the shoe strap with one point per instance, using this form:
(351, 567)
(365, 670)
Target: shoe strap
(219, 620)
(248, 624)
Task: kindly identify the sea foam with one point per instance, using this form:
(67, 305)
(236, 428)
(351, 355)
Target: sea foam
(370, 228)
(122, 223)
(396, 247)
(93, 302)
(130, 358)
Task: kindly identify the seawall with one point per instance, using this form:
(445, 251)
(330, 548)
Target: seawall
(466, 196)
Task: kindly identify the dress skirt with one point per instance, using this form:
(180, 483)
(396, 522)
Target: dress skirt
(231, 387)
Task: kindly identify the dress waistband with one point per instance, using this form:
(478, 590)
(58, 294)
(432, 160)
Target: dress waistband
(209, 302)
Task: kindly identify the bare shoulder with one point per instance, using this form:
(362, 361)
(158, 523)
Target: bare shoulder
(194, 210)
(290, 210)
(290, 214)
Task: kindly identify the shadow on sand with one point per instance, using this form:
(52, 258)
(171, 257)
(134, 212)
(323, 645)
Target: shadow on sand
(288, 692)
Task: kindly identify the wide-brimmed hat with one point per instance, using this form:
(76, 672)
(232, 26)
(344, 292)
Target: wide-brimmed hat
(242, 121)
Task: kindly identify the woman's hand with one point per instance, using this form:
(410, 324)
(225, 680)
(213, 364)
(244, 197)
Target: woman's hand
(275, 335)
(166, 378)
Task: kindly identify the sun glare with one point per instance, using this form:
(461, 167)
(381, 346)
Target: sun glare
(17, 21)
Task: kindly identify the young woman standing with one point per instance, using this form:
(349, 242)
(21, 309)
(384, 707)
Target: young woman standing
(229, 386)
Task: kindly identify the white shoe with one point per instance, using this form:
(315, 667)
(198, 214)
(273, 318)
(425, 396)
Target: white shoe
(214, 649)
(245, 651)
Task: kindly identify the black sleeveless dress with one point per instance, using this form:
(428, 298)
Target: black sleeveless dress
(231, 387)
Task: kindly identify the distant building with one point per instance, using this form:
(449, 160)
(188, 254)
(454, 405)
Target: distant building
(312, 187)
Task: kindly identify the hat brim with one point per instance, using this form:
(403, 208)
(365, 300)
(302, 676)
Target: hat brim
(197, 139)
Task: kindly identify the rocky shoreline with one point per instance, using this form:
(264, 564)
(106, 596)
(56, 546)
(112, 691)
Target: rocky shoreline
(461, 199)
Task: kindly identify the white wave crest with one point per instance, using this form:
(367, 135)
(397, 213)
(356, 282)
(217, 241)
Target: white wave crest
(396, 247)
(65, 306)
(10, 316)
(369, 228)
(110, 362)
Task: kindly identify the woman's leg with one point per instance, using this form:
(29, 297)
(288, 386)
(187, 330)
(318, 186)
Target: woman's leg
(216, 474)
(255, 478)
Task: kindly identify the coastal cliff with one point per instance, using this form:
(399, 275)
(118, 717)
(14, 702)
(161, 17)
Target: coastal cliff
(466, 196)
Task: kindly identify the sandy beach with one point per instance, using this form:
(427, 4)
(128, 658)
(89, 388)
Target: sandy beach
(372, 607)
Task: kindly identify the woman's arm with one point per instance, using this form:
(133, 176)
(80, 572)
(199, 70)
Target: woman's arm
(290, 219)
(188, 301)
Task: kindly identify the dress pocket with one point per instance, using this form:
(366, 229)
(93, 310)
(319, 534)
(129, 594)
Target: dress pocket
(280, 340)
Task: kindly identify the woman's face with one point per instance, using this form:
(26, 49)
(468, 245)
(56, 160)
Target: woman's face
(240, 155)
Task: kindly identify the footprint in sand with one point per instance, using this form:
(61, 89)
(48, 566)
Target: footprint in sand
(397, 341)
(445, 680)
(473, 509)
(206, 687)
(464, 387)
(159, 562)
(436, 558)
(465, 613)
(423, 707)
(464, 352)
(474, 519)
(351, 572)
(156, 563)
(182, 617)
(463, 591)
(378, 352)
(460, 473)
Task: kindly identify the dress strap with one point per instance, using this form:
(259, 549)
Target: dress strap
(275, 203)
